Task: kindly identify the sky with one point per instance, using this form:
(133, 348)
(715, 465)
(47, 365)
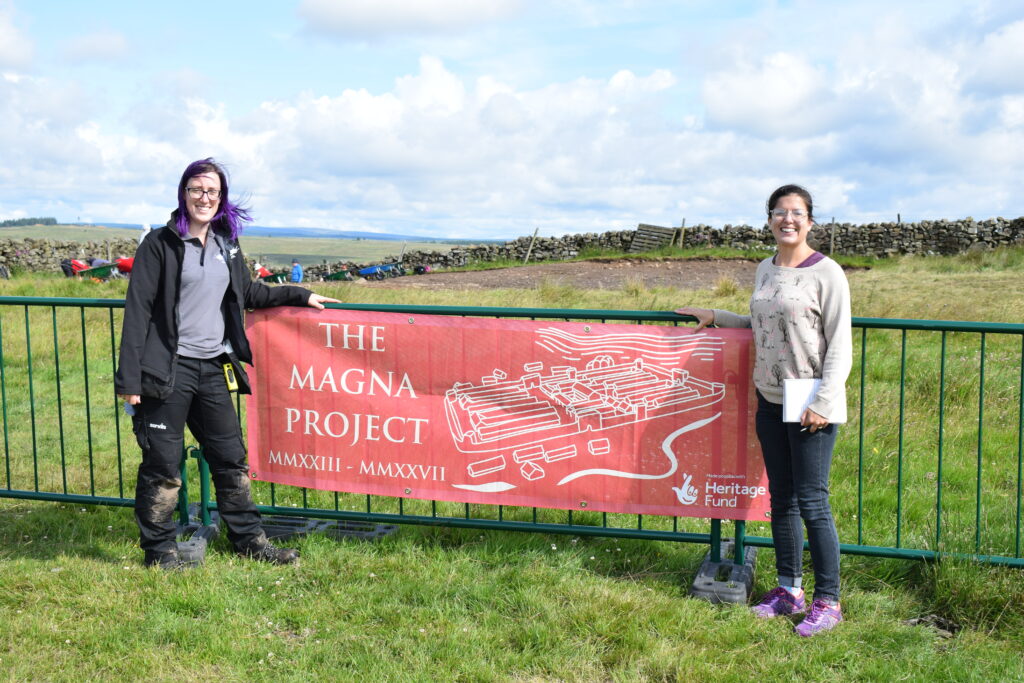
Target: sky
(493, 118)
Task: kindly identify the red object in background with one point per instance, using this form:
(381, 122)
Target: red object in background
(614, 418)
(263, 272)
(125, 264)
(78, 266)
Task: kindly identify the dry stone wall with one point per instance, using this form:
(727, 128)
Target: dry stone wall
(877, 239)
(40, 255)
(873, 239)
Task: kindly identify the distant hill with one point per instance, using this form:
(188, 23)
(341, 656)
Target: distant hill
(323, 233)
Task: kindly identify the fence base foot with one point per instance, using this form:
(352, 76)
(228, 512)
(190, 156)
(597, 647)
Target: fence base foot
(281, 527)
(725, 581)
(192, 550)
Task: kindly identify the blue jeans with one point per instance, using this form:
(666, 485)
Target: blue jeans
(798, 465)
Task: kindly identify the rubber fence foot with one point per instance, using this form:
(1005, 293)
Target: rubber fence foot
(725, 581)
(281, 527)
(195, 539)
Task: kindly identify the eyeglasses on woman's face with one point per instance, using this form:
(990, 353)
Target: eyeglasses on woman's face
(197, 192)
(782, 213)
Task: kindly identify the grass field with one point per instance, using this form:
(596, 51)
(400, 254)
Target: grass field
(436, 603)
(274, 252)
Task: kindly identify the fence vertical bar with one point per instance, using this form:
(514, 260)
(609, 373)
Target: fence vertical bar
(3, 402)
(1020, 447)
(117, 420)
(740, 544)
(716, 540)
(860, 437)
(60, 402)
(88, 406)
(204, 487)
(941, 444)
(899, 450)
(31, 402)
(981, 420)
(183, 491)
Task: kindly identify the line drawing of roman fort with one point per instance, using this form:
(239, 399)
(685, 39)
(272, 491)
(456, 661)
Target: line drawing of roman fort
(602, 382)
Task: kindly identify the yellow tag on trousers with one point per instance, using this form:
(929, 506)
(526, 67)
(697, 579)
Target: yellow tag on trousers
(229, 375)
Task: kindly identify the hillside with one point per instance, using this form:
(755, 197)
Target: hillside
(274, 251)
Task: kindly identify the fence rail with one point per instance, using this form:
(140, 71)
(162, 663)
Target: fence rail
(931, 463)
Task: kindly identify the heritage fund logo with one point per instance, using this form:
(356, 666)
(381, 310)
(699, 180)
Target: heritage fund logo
(686, 493)
(720, 494)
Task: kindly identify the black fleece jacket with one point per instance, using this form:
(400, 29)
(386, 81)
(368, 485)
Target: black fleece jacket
(149, 336)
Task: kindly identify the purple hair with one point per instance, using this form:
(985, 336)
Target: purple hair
(230, 216)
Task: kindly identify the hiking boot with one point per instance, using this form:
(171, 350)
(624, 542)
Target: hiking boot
(169, 561)
(779, 602)
(269, 552)
(823, 617)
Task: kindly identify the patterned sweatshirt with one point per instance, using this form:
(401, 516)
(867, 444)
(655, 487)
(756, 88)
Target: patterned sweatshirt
(801, 323)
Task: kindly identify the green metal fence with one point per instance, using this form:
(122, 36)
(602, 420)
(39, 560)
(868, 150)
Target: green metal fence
(930, 464)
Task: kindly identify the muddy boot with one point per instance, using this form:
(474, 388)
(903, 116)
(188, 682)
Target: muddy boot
(168, 561)
(268, 552)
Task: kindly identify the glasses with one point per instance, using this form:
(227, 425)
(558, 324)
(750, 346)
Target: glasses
(781, 213)
(197, 192)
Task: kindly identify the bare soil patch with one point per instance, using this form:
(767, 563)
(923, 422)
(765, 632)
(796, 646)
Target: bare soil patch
(596, 274)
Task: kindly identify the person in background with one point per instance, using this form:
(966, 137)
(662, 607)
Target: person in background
(261, 270)
(800, 315)
(182, 344)
(296, 271)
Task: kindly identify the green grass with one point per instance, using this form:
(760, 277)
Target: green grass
(437, 603)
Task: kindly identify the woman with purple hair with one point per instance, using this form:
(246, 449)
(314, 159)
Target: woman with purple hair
(182, 348)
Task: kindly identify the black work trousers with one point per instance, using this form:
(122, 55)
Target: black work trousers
(201, 400)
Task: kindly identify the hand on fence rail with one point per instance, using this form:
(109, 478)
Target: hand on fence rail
(704, 316)
(316, 301)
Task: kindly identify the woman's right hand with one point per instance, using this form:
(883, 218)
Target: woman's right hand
(131, 399)
(704, 316)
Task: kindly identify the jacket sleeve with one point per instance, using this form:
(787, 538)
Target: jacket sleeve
(729, 319)
(836, 323)
(138, 310)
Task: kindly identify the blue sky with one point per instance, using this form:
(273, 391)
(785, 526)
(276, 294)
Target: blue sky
(488, 118)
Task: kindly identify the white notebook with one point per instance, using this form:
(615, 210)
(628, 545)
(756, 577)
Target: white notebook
(797, 394)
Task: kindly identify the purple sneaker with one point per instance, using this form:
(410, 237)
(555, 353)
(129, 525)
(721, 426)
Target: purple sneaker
(823, 617)
(779, 602)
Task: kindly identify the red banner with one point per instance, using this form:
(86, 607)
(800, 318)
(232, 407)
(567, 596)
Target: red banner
(617, 418)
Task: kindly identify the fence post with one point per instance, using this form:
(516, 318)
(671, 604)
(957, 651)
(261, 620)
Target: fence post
(183, 517)
(740, 543)
(530, 249)
(204, 486)
(716, 540)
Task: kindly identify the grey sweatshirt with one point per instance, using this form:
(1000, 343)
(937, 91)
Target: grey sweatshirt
(801, 323)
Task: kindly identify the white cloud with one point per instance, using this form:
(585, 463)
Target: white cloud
(998, 62)
(1011, 111)
(781, 95)
(101, 46)
(882, 114)
(15, 48)
(374, 19)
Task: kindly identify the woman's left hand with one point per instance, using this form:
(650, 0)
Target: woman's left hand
(813, 421)
(316, 301)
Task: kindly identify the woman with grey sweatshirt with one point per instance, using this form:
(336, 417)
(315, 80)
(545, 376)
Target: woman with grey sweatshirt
(800, 316)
